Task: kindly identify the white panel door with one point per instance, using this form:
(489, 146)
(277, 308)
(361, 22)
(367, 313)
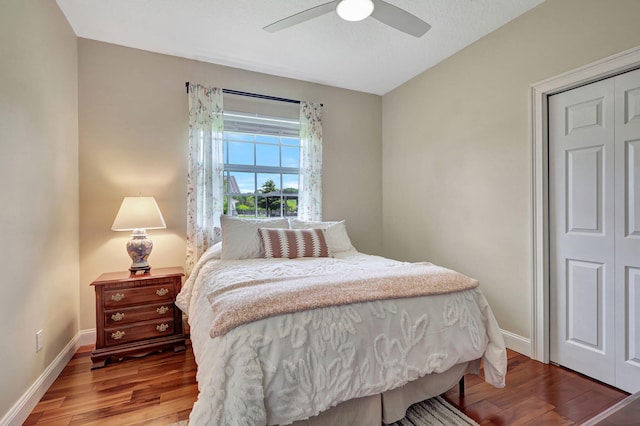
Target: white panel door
(627, 207)
(581, 218)
(594, 241)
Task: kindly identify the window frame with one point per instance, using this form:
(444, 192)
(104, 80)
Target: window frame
(257, 125)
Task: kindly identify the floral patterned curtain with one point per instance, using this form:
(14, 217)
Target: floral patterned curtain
(310, 195)
(205, 170)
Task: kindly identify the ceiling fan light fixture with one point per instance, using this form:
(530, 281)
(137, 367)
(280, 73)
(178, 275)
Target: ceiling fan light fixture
(355, 10)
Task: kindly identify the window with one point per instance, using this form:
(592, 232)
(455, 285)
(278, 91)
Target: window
(261, 165)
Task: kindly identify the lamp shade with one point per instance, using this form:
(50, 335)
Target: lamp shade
(355, 10)
(138, 213)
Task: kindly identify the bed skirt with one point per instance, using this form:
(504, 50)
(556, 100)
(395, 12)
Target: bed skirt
(391, 406)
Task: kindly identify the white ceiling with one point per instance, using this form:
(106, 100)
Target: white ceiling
(367, 56)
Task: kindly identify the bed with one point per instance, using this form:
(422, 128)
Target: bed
(290, 324)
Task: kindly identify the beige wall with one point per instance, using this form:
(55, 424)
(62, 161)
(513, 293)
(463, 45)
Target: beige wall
(457, 160)
(133, 139)
(457, 153)
(38, 191)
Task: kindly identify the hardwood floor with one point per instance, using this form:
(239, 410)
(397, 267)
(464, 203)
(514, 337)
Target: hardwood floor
(536, 394)
(160, 389)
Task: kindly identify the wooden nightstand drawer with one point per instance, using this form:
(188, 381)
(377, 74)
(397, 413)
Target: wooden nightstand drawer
(163, 292)
(119, 317)
(134, 333)
(136, 314)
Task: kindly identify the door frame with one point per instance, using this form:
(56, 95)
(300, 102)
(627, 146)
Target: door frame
(604, 68)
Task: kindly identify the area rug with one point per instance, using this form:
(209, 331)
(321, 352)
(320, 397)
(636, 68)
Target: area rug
(432, 412)
(435, 412)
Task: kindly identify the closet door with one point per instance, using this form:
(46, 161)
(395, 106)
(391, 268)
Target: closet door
(594, 241)
(627, 232)
(581, 219)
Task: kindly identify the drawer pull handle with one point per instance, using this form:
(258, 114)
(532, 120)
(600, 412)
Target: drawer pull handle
(162, 327)
(117, 297)
(162, 292)
(162, 310)
(118, 316)
(117, 335)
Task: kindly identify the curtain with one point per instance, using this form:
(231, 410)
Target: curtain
(205, 195)
(310, 192)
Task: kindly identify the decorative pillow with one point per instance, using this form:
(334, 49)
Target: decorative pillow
(240, 238)
(293, 243)
(335, 232)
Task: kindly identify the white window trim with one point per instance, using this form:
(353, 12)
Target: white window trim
(268, 126)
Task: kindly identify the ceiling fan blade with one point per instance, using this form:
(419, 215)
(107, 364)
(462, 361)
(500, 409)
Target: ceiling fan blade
(300, 17)
(399, 19)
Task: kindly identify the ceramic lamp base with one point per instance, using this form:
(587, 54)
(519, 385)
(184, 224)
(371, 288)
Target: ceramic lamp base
(139, 248)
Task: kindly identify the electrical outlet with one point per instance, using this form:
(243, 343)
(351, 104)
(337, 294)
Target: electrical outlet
(39, 340)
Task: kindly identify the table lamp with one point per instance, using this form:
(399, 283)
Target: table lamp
(137, 214)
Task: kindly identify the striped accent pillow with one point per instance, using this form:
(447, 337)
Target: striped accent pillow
(293, 243)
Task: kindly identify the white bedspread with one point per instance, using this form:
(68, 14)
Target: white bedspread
(291, 367)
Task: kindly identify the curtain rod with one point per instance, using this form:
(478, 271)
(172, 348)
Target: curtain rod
(254, 95)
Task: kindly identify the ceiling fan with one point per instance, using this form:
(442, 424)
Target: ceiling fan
(357, 10)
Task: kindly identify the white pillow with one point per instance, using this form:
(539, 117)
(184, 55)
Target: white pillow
(240, 239)
(335, 233)
(214, 251)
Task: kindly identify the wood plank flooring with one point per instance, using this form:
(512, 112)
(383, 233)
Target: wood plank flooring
(160, 389)
(536, 394)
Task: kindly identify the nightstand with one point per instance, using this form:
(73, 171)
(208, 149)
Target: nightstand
(136, 314)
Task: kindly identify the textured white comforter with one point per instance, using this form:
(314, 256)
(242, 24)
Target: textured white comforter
(290, 367)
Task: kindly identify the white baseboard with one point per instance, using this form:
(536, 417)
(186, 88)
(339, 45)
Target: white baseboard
(517, 343)
(21, 409)
(87, 337)
(25, 405)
